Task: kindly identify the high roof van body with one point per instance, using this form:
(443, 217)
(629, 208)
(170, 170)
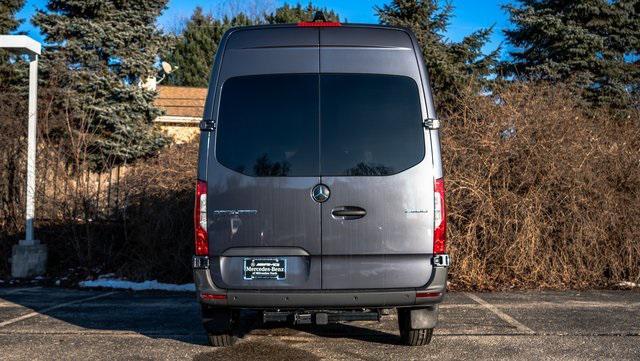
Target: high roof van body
(320, 192)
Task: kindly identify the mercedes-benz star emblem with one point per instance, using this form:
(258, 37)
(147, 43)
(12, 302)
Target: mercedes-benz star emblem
(320, 193)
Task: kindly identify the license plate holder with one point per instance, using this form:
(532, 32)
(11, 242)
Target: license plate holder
(265, 269)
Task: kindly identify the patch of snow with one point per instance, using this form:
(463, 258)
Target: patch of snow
(508, 133)
(628, 284)
(137, 286)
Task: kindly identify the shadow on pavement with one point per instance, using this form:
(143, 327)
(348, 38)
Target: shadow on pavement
(158, 315)
(259, 350)
(252, 324)
(352, 331)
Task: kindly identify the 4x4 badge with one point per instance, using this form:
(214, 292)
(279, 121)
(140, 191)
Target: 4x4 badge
(320, 193)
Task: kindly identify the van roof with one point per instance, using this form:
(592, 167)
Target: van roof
(287, 35)
(342, 25)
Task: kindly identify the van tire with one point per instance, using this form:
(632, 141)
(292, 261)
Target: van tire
(224, 340)
(409, 336)
(219, 324)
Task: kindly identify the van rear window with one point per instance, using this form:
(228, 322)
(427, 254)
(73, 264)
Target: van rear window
(320, 124)
(371, 124)
(268, 125)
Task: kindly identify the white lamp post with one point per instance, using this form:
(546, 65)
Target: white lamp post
(29, 256)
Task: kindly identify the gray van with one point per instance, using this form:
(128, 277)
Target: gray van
(320, 195)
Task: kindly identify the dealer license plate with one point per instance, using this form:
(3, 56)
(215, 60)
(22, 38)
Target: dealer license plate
(265, 268)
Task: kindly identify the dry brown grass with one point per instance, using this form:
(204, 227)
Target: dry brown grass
(556, 205)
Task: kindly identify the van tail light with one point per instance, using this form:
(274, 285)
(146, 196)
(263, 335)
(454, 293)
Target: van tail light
(440, 219)
(211, 296)
(200, 219)
(318, 24)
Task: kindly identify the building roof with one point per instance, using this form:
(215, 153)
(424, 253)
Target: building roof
(179, 101)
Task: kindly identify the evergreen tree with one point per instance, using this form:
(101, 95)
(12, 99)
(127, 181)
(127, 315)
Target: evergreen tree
(288, 14)
(195, 48)
(451, 66)
(102, 50)
(8, 10)
(593, 44)
(8, 25)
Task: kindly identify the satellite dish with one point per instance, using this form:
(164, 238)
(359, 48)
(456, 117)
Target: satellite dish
(167, 67)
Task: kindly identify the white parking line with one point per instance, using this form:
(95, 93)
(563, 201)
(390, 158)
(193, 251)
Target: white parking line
(33, 314)
(506, 318)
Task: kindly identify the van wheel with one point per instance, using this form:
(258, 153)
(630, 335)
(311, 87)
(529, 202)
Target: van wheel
(219, 324)
(409, 336)
(223, 340)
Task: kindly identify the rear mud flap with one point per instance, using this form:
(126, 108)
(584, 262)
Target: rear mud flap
(422, 318)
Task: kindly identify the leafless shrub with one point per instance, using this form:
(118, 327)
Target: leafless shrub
(67, 194)
(13, 144)
(541, 193)
(159, 217)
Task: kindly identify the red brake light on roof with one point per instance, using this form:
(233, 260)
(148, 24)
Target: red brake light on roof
(319, 24)
(200, 220)
(440, 221)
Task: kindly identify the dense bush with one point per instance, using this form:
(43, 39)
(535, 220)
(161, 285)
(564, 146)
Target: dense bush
(12, 171)
(159, 218)
(540, 193)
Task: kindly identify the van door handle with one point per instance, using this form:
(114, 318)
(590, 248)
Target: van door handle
(348, 212)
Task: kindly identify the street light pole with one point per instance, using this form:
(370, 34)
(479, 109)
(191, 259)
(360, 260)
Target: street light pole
(31, 150)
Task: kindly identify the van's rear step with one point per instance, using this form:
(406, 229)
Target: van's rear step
(321, 317)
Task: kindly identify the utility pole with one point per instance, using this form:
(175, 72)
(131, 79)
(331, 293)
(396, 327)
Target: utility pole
(28, 257)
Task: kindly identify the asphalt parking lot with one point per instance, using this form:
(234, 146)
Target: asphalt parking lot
(55, 324)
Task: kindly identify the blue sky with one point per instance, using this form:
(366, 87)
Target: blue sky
(468, 15)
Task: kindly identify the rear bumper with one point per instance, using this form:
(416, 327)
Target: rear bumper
(209, 294)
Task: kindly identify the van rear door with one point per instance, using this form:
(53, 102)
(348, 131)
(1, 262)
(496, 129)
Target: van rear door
(263, 161)
(377, 225)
